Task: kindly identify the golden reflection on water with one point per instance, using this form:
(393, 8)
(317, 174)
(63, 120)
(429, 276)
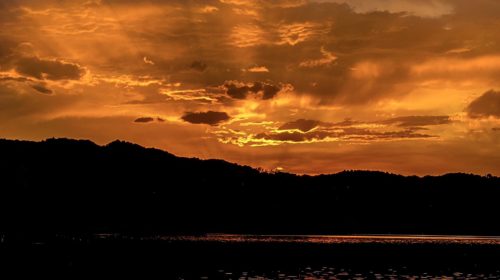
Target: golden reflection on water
(340, 239)
(331, 273)
(316, 271)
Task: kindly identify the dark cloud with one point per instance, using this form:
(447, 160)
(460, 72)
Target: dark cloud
(269, 91)
(48, 69)
(375, 51)
(144, 120)
(486, 105)
(350, 133)
(15, 79)
(239, 90)
(42, 89)
(366, 134)
(412, 121)
(198, 66)
(30, 82)
(209, 117)
(300, 124)
(235, 91)
(293, 136)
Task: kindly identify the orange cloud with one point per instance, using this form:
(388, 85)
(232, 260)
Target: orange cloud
(402, 86)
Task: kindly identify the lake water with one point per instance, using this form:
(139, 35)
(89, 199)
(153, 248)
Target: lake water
(229, 256)
(336, 239)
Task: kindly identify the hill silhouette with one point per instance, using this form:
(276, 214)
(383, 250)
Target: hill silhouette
(63, 185)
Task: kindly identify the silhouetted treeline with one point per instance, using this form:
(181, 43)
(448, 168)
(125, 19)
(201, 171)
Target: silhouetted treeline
(62, 185)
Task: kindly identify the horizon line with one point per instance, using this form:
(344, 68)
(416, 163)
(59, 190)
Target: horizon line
(260, 169)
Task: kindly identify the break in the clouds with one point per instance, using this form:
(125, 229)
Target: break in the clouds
(350, 134)
(380, 84)
(301, 124)
(405, 121)
(423, 8)
(306, 131)
(419, 120)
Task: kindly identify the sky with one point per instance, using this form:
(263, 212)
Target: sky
(301, 86)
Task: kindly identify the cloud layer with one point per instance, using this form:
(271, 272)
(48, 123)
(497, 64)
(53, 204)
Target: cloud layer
(209, 117)
(336, 84)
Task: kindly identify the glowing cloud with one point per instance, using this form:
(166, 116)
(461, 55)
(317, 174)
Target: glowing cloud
(313, 86)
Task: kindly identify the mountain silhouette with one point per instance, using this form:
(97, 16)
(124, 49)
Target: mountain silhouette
(76, 186)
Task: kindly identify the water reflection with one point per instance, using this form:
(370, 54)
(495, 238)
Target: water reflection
(233, 256)
(324, 273)
(339, 239)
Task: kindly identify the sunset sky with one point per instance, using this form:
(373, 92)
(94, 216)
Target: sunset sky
(304, 86)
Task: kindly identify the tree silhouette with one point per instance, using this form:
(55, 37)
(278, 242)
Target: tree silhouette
(63, 185)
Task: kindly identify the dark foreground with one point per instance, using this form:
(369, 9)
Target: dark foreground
(63, 185)
(251, 258)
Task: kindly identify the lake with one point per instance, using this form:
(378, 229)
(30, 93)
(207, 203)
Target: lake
(234, 256)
